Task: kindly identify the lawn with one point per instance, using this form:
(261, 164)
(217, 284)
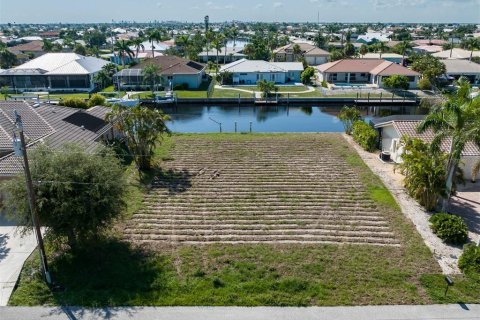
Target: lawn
(229, 93)
(247, 220)
(280, 88)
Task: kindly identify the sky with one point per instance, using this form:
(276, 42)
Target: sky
(75, 11)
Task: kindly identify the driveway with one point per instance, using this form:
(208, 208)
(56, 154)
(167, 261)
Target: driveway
(14, 250)
(466, 203)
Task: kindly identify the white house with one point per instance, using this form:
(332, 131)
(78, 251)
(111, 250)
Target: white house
(231, 54)
(250, 71)
(456, 53)
(456, 68)
(393, 128)
(54, 72)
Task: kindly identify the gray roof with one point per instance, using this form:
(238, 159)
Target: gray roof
(457, 66)
(51, 124)
(245, 65)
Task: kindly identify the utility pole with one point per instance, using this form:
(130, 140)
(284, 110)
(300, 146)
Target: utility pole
(21, 150)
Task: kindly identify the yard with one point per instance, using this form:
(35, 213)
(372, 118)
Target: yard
(253, 219)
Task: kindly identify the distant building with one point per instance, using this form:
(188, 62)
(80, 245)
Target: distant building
(32, 49)
(392, 57)
(364, 71)
(424, 49)
(54, 72)
(52, 125)
(313, 55)
(232, 54)
(250, 71)
(456, 53)
(373, 37)
(173, 70)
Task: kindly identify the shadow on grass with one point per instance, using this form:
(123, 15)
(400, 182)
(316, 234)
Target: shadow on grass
(108, 272)
(173, 180)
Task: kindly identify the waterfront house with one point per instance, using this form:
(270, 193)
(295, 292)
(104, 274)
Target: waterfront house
(392, 129)
(250, 71)
(364, 71)
(60, 72)
(173, 71)
(456, 53)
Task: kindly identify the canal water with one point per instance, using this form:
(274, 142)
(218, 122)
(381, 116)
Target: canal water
(203, 119)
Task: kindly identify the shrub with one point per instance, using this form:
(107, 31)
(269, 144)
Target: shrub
(469, 261)
(364, 135)
(348, 116)
(307, 75)
(74, 103)
(450, 228)
(96, 100)
(424, 84)
(324, 84)
(396, 82)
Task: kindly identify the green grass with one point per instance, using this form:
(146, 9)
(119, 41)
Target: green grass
(112, 273)
(229, 93)
(280, 88)
(109, 89)
(64, 96)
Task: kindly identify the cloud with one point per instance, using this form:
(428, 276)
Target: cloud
(259, 6)
(159, 4)
(278, 5)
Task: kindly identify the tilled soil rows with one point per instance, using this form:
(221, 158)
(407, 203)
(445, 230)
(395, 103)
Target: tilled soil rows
(259, 189)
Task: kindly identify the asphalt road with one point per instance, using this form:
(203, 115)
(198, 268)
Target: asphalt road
(432, 312)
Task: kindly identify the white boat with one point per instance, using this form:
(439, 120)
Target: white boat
(124, 102)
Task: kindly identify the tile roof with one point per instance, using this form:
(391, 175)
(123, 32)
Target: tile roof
(373, 66)
(47, 123)
(32, 46)
(409, 128)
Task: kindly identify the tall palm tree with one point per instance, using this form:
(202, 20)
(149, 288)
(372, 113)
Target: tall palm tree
(382, 47)
(209, 35)
(182, 42)
(217, 43)
(405, 45)
(151, 76)
(226, 36)
(363, 50)
(138, 44)
(296, 51)
(234, 34)
(123, 48)
(471, 44)
(152, 36)
(456, 121)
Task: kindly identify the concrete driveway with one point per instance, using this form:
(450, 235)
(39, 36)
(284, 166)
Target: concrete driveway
(466, 203)
(14, 250)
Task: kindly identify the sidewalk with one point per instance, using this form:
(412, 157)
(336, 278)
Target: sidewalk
(437, 312)
(14, 250)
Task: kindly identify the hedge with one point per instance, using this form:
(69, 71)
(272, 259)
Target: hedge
(364, 135)
(469, 261)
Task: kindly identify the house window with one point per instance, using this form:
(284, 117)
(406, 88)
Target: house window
(258, 76)
(362, 75)
(411, 79)
(334, 77)
(353, 77)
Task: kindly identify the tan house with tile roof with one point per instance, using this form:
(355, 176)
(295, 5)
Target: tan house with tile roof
(364, 71)
(313, 55)
(393, 128)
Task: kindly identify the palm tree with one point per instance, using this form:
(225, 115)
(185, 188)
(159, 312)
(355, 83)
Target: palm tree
(266, 87)
(138, 44)
(226, 36)
(152, 36)
(457, 122)
(217, 43)
(7, 58)
(102, 78)
(296, 51)
(363, 50)
(123, 48)
(234, 34)
(182, 42)
(405, 45)
(151, 76)
(47, 45)
(209, 35)
(471, 44)
(382, 48)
